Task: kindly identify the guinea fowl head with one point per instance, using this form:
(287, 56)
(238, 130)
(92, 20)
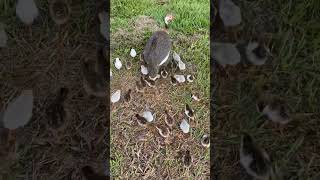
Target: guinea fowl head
(167, 20)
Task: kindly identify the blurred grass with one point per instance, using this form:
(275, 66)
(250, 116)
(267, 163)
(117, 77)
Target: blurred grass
(293, 74)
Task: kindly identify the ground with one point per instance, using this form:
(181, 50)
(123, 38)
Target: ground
(131, 25)
(44, 61)
(293, 73)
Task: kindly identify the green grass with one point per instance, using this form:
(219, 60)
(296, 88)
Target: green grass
(191, 16)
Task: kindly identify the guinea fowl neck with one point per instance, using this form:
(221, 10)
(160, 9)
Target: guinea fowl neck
(166, 27)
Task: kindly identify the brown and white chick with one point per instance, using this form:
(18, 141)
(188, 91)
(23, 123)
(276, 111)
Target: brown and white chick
(254, 159)
(275, 109)
(169, 119)
(57, 112)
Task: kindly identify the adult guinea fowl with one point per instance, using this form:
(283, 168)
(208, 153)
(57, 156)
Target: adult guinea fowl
(157, 50)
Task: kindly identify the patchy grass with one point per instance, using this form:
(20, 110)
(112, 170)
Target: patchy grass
(131, 25)
(292, 74)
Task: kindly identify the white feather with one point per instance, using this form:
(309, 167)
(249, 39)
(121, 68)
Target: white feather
(27, 11)
(182, 65)
(225, 54)
(180, 78)
(144, 70)
(115, 97)
(165, 59)
(184, 126)
(148, 116)
(176, 57)
(133, 53)
(229, 13)
(19, 111)
(118, 63)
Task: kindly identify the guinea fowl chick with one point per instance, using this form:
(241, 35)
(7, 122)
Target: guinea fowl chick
(19, 111)
(93, 83)
(104, 24)
(195, 97)
(142, 121)
(254, 159)
(275, 109)
(225, 54)
(173, 81)
(205, 141)
(157, 50)
(164, 74)
(60, 11)
(57, 112)
(150, 83)
(127, 96)
(168, 119)
(95, 76)
(163, 131)
(90, 174)
(188, 111)
(27, 11)
(187, 159)
(140, 85)
(230, 14)
(257, 53)
(128, 64)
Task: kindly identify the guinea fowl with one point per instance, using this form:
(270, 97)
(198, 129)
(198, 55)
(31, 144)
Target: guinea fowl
(57, 112)
(254, 159)
(95, 82)
(157, 50)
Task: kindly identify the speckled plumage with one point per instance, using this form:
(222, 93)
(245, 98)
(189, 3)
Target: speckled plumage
(157, 48)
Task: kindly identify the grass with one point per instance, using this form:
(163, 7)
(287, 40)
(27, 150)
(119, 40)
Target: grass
(192, 17)
(132, 24)
(292, 74)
